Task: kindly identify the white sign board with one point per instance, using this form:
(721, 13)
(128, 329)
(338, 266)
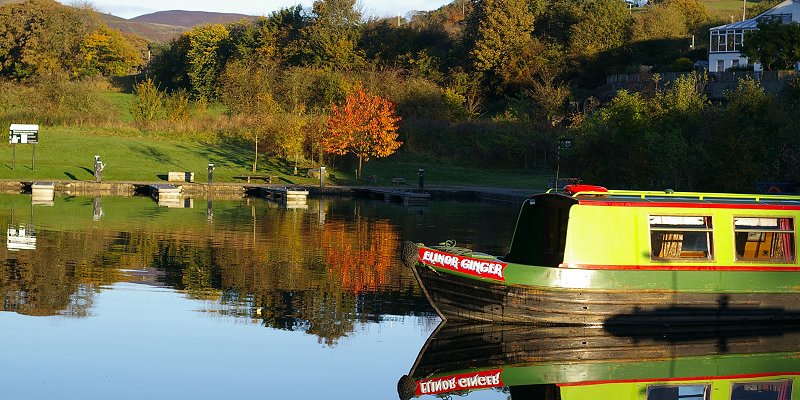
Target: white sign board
(23, 133)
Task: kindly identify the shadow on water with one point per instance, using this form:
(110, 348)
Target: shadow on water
(732, 310)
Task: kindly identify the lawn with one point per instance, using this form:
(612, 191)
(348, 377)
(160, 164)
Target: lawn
(728, 10)
(67, 153)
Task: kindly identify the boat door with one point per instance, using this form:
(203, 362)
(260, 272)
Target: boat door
(541, 233)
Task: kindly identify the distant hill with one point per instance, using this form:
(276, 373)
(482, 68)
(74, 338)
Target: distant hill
(158, 33)
(188, 19)
(164, 26)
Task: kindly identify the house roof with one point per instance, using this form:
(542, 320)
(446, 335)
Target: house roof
(751, 23)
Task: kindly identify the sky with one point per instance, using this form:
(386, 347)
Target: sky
(133, 8)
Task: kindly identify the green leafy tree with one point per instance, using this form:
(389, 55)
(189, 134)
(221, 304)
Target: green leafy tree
(41, 36)
(246, 89)
(775, 45)
(602, 25)
(106, 52)
(332, 35)
(148, 105)
(754, 138)
(503, 28)
(205, 58)
(275, 38)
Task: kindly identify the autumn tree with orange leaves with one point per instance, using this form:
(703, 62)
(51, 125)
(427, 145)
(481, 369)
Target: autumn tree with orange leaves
(365, 125)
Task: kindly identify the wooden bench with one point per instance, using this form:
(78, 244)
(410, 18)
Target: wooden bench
(248, 178)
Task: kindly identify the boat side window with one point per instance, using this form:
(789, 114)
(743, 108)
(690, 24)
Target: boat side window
(678, 392)
(681, 237)
(764, 239)
(769, 390)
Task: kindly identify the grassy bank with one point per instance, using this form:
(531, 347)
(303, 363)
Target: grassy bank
(67, 153)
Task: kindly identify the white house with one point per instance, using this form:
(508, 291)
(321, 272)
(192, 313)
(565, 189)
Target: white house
(726, 40)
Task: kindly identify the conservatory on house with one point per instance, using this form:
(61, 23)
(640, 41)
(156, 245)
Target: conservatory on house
(727, 40)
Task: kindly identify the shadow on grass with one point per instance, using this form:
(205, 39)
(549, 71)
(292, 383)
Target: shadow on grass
(71, 176)
(162, 177)
(234, 152)
(155, 154)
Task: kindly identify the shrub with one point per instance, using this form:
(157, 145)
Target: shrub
(149, 102)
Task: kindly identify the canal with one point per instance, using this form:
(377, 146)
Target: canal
(117, 297)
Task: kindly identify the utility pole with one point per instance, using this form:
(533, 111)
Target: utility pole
(744, 10)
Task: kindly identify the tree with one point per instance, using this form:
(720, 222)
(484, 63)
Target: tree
(331, 38)
(204, 58)
(41, 36)
(107, 52)
(365, 126)
(148, 105)
(503, 29)
(602, 25)
(775, 45)
(246, 89)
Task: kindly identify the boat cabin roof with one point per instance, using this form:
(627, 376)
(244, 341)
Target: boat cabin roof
(669, 198)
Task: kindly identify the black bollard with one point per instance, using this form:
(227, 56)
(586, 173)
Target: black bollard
(210, 173)
(421, 173)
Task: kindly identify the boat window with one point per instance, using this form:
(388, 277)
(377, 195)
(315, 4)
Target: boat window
(681, 237)
(770, 390)
(678, 392)
(764, 239)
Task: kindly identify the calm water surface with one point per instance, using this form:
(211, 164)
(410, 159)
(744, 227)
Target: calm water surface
(120, 298)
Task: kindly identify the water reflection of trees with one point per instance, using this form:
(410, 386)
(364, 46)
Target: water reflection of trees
(285, 270)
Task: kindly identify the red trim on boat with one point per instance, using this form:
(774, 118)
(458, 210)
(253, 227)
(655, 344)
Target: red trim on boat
(577, 188)
(644, 203)
(693, 378)
(680, 267)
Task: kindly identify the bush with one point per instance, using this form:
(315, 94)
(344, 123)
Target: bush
(683, 64)
(149, 102)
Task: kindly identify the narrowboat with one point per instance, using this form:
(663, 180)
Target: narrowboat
(569, 363)
(591, 256)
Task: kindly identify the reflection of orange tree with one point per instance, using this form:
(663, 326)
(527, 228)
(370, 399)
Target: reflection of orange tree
(360, 257)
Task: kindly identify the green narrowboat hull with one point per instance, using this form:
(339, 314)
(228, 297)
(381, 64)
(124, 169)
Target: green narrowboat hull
(575, 362)
(563, 296)
(626, 258)
(463, 298)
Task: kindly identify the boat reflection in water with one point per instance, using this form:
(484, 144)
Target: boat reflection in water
(569, 363)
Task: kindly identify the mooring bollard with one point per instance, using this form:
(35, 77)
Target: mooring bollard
(321, 177)
(421, 173)
(210, 173)
(99, 166)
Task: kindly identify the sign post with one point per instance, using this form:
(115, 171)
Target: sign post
(23, 133)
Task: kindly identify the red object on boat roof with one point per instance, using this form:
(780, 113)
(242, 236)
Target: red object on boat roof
(572, 189)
